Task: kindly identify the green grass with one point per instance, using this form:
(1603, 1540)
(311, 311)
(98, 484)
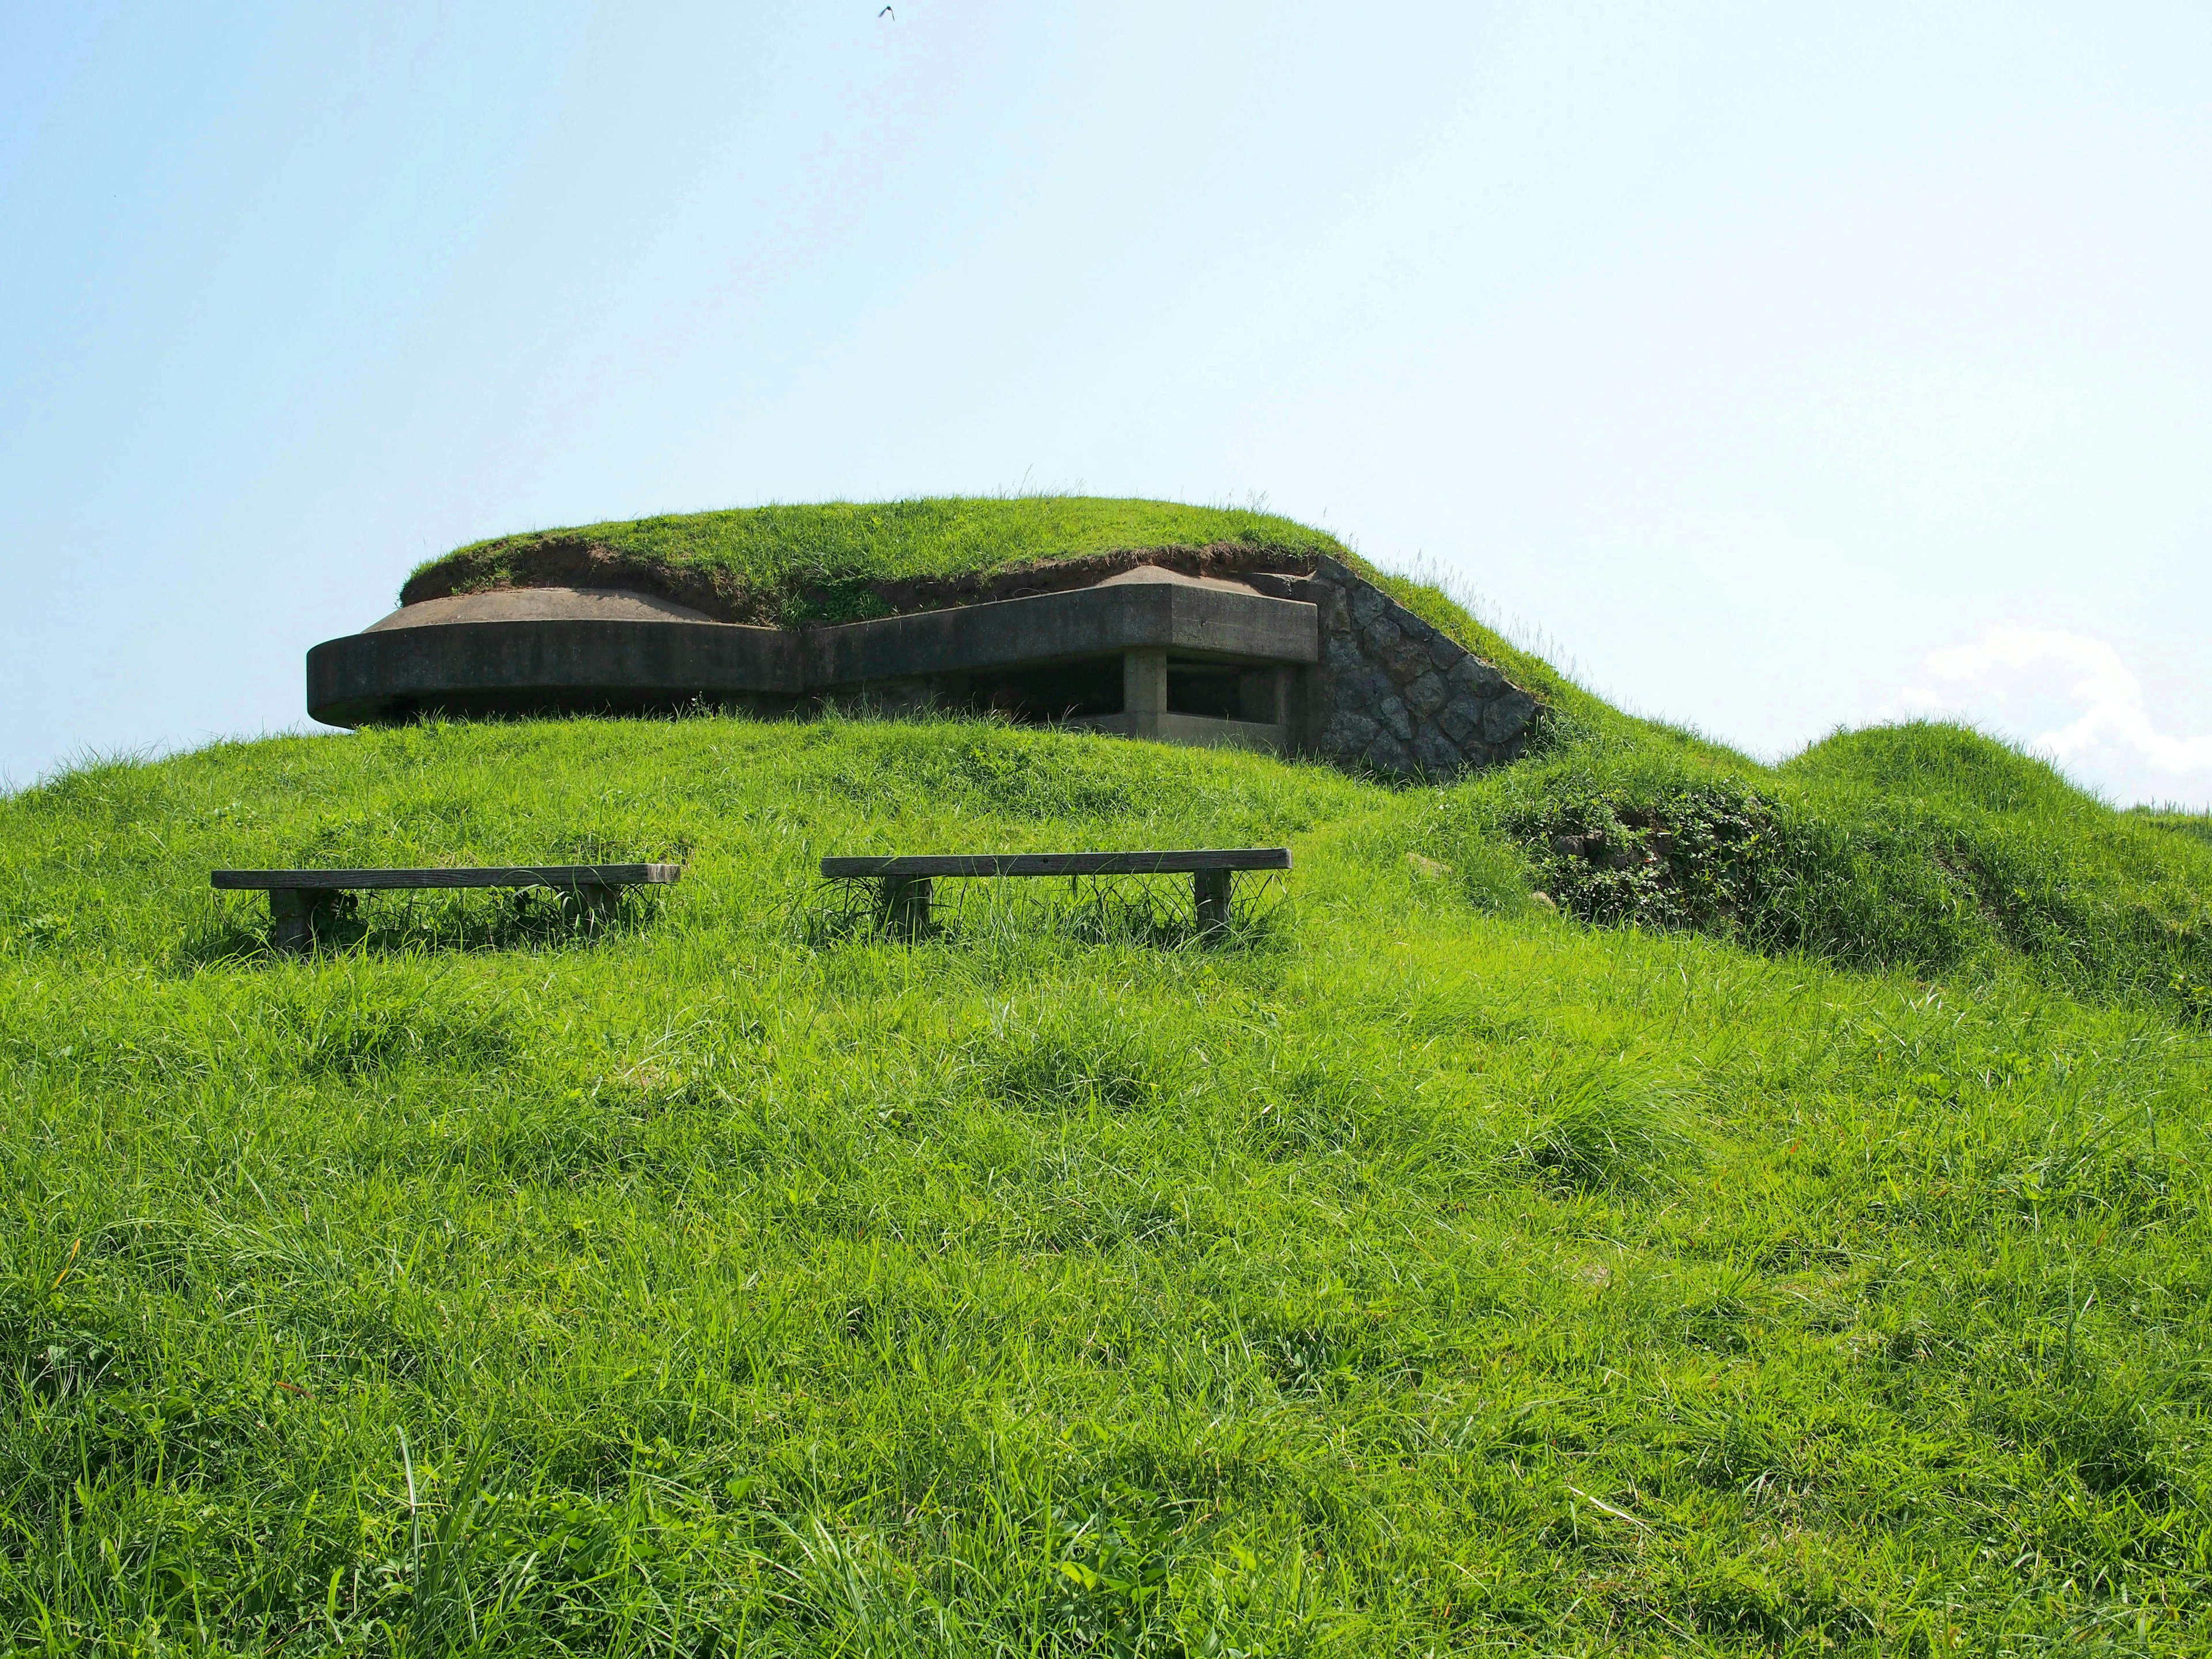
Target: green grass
(2196, 824)
(1426, 1271)
(799, 564)
(1924, 847)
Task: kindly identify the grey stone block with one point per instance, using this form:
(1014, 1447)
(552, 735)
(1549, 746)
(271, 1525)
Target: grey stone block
(1507, 716)
(1378, 632)
(1438, 756)
(1460, 719)
(1387, 754)
(1405, 660)
(1349, 734)
(1471, 674)
(1395, 692)
(1370, 686)
(1392, 617)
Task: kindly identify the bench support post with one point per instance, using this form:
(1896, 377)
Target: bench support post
(904, 904)
(292, 915)
(1210, 888)
(597, 901)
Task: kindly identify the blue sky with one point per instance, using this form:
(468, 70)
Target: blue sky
(1776, 367)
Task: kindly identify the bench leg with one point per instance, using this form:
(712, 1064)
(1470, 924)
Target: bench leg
(292, 912)
(1210, 888)
(903, 905)
(598, 902)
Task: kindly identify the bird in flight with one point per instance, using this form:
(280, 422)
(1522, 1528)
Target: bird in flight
(887, 12)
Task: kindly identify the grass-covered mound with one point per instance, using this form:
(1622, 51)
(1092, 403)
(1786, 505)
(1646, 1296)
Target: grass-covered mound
(1923, 846)
(840, 560)
(1426, 1271)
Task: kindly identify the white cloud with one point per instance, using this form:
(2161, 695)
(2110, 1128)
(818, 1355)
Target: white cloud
(2071, 697)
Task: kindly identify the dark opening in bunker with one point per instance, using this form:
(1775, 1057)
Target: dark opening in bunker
(1221, 691)
(1057, 691)
(1202, 688)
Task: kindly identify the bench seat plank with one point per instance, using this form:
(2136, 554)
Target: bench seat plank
(498, 875)
(1059, 864)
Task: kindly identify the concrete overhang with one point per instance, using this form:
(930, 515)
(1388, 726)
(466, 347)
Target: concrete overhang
(522, 667)
(1186, 618)
(543, 665)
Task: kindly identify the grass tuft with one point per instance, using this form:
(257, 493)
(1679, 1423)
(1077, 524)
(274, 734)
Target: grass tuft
(1599, 1127)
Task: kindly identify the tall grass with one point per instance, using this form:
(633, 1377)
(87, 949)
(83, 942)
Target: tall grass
(1426, 1271)
(1924, 847)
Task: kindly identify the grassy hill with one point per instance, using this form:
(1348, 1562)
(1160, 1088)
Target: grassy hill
(829, 561)
(1789, 1235)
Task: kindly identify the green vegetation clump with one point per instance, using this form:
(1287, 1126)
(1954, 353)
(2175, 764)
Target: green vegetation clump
(790, 564)
(1923, 846)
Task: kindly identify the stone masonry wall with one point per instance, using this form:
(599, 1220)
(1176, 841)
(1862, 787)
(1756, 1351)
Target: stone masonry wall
(1392, 694)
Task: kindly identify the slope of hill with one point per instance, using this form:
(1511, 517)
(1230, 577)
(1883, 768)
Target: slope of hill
(1923, 846)
(1819, 1267)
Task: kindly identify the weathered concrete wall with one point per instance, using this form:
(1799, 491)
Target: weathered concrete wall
(1377, 688)
(1058, 626)
(1392, 694)
(390, 671)
(476, 668)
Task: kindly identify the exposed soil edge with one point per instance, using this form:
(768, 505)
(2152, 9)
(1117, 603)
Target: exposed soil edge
(1087, 570)
(572, 561)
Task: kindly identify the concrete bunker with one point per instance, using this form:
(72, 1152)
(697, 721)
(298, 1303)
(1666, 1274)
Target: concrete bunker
(1315, 661)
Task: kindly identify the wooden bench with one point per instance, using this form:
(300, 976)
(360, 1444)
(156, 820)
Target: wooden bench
(295, 896)
(905, 882)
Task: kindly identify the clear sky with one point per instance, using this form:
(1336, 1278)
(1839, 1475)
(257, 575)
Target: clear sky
(1776, 367)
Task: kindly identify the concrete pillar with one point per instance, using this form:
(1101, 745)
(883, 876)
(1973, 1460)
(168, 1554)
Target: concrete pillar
(1259, 696)
(1145, 691)
(598, 904)
(1294, 694)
